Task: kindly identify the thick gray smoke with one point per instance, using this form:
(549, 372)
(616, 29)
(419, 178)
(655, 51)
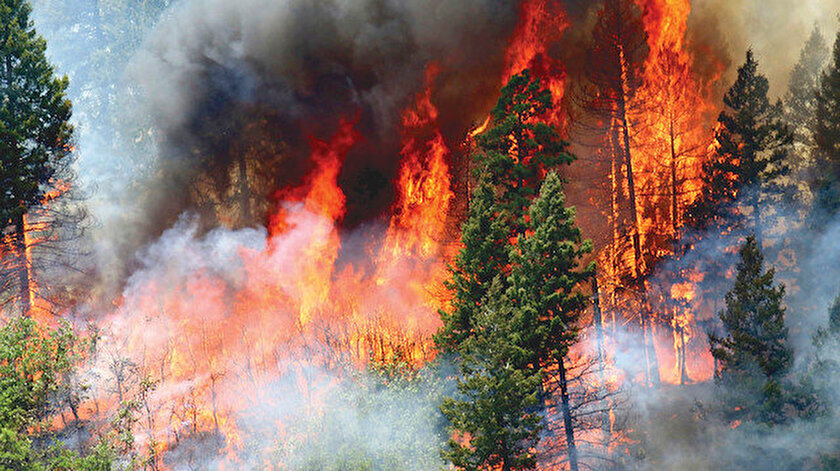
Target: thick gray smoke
(239, 88)
(775, 29)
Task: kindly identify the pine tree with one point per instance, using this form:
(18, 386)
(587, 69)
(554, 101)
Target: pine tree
(801, 97)
(749, 156)
(483, 256)
(510, 157)
(827, 137)
(611, 107)
(800, 111)
(753, 355)
(494, 422)
(35, 132)
(517, 148)
(545, 287)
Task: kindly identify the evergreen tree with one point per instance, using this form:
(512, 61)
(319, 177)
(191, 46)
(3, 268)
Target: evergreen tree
(753, 355)
(800, 111)
(801, 97)
(517, 148)
(546, 278)
(827, 137)
(483, 256)
(545, 287)
(494, 422)
(510, 156)
(749, 156)
(35, 132)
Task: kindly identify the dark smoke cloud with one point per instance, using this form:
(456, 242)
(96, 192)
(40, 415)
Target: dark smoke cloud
(292, 69)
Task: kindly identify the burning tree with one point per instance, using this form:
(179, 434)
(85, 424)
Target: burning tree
(35, 144)
(609, 109)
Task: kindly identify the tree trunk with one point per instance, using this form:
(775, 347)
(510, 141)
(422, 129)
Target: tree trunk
(651, 362)
(23, 268)
(244, 191)
(597, 320)
(567, 417)
(674, 208)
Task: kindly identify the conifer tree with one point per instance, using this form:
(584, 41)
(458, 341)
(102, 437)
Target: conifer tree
(749, 156)
(545, 287)
(511, 156)
(801, 97)
(753, 355)
(483, 256)
(495, 420)
(800, 111)
(827, 136)
(517, 148)
(35, 132)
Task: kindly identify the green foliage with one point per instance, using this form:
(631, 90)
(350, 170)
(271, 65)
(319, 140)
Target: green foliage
(518, 148)
(750, 155)
(515, 286)
(33, 365)
(511, 157)
(546, 278)
(518, 332)
(484, 255)
(35, 132)
(754, 356)
(495, 420)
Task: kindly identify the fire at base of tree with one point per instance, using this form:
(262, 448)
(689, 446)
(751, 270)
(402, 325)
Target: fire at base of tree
(365, 234)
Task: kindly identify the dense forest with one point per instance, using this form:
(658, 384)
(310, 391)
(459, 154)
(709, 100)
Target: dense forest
(419, 234)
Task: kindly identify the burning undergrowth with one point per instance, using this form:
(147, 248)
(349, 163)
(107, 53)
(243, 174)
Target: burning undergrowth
(280, 258)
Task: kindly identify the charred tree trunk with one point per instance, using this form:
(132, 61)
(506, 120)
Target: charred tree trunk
(244, 191)
(23, 269)
(597, 320)
(567, 417)
(675, 225)
(651, 362)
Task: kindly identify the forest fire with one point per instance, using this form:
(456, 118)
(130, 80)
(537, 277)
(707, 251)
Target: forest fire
(316, 257)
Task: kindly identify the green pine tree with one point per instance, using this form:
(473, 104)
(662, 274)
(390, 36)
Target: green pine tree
(753, 354)
(517, 148)
(494, 422)
(484, 256)
(510, 156)
(35, 134)
(545, 288)
(827, 138)
(749, 157)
